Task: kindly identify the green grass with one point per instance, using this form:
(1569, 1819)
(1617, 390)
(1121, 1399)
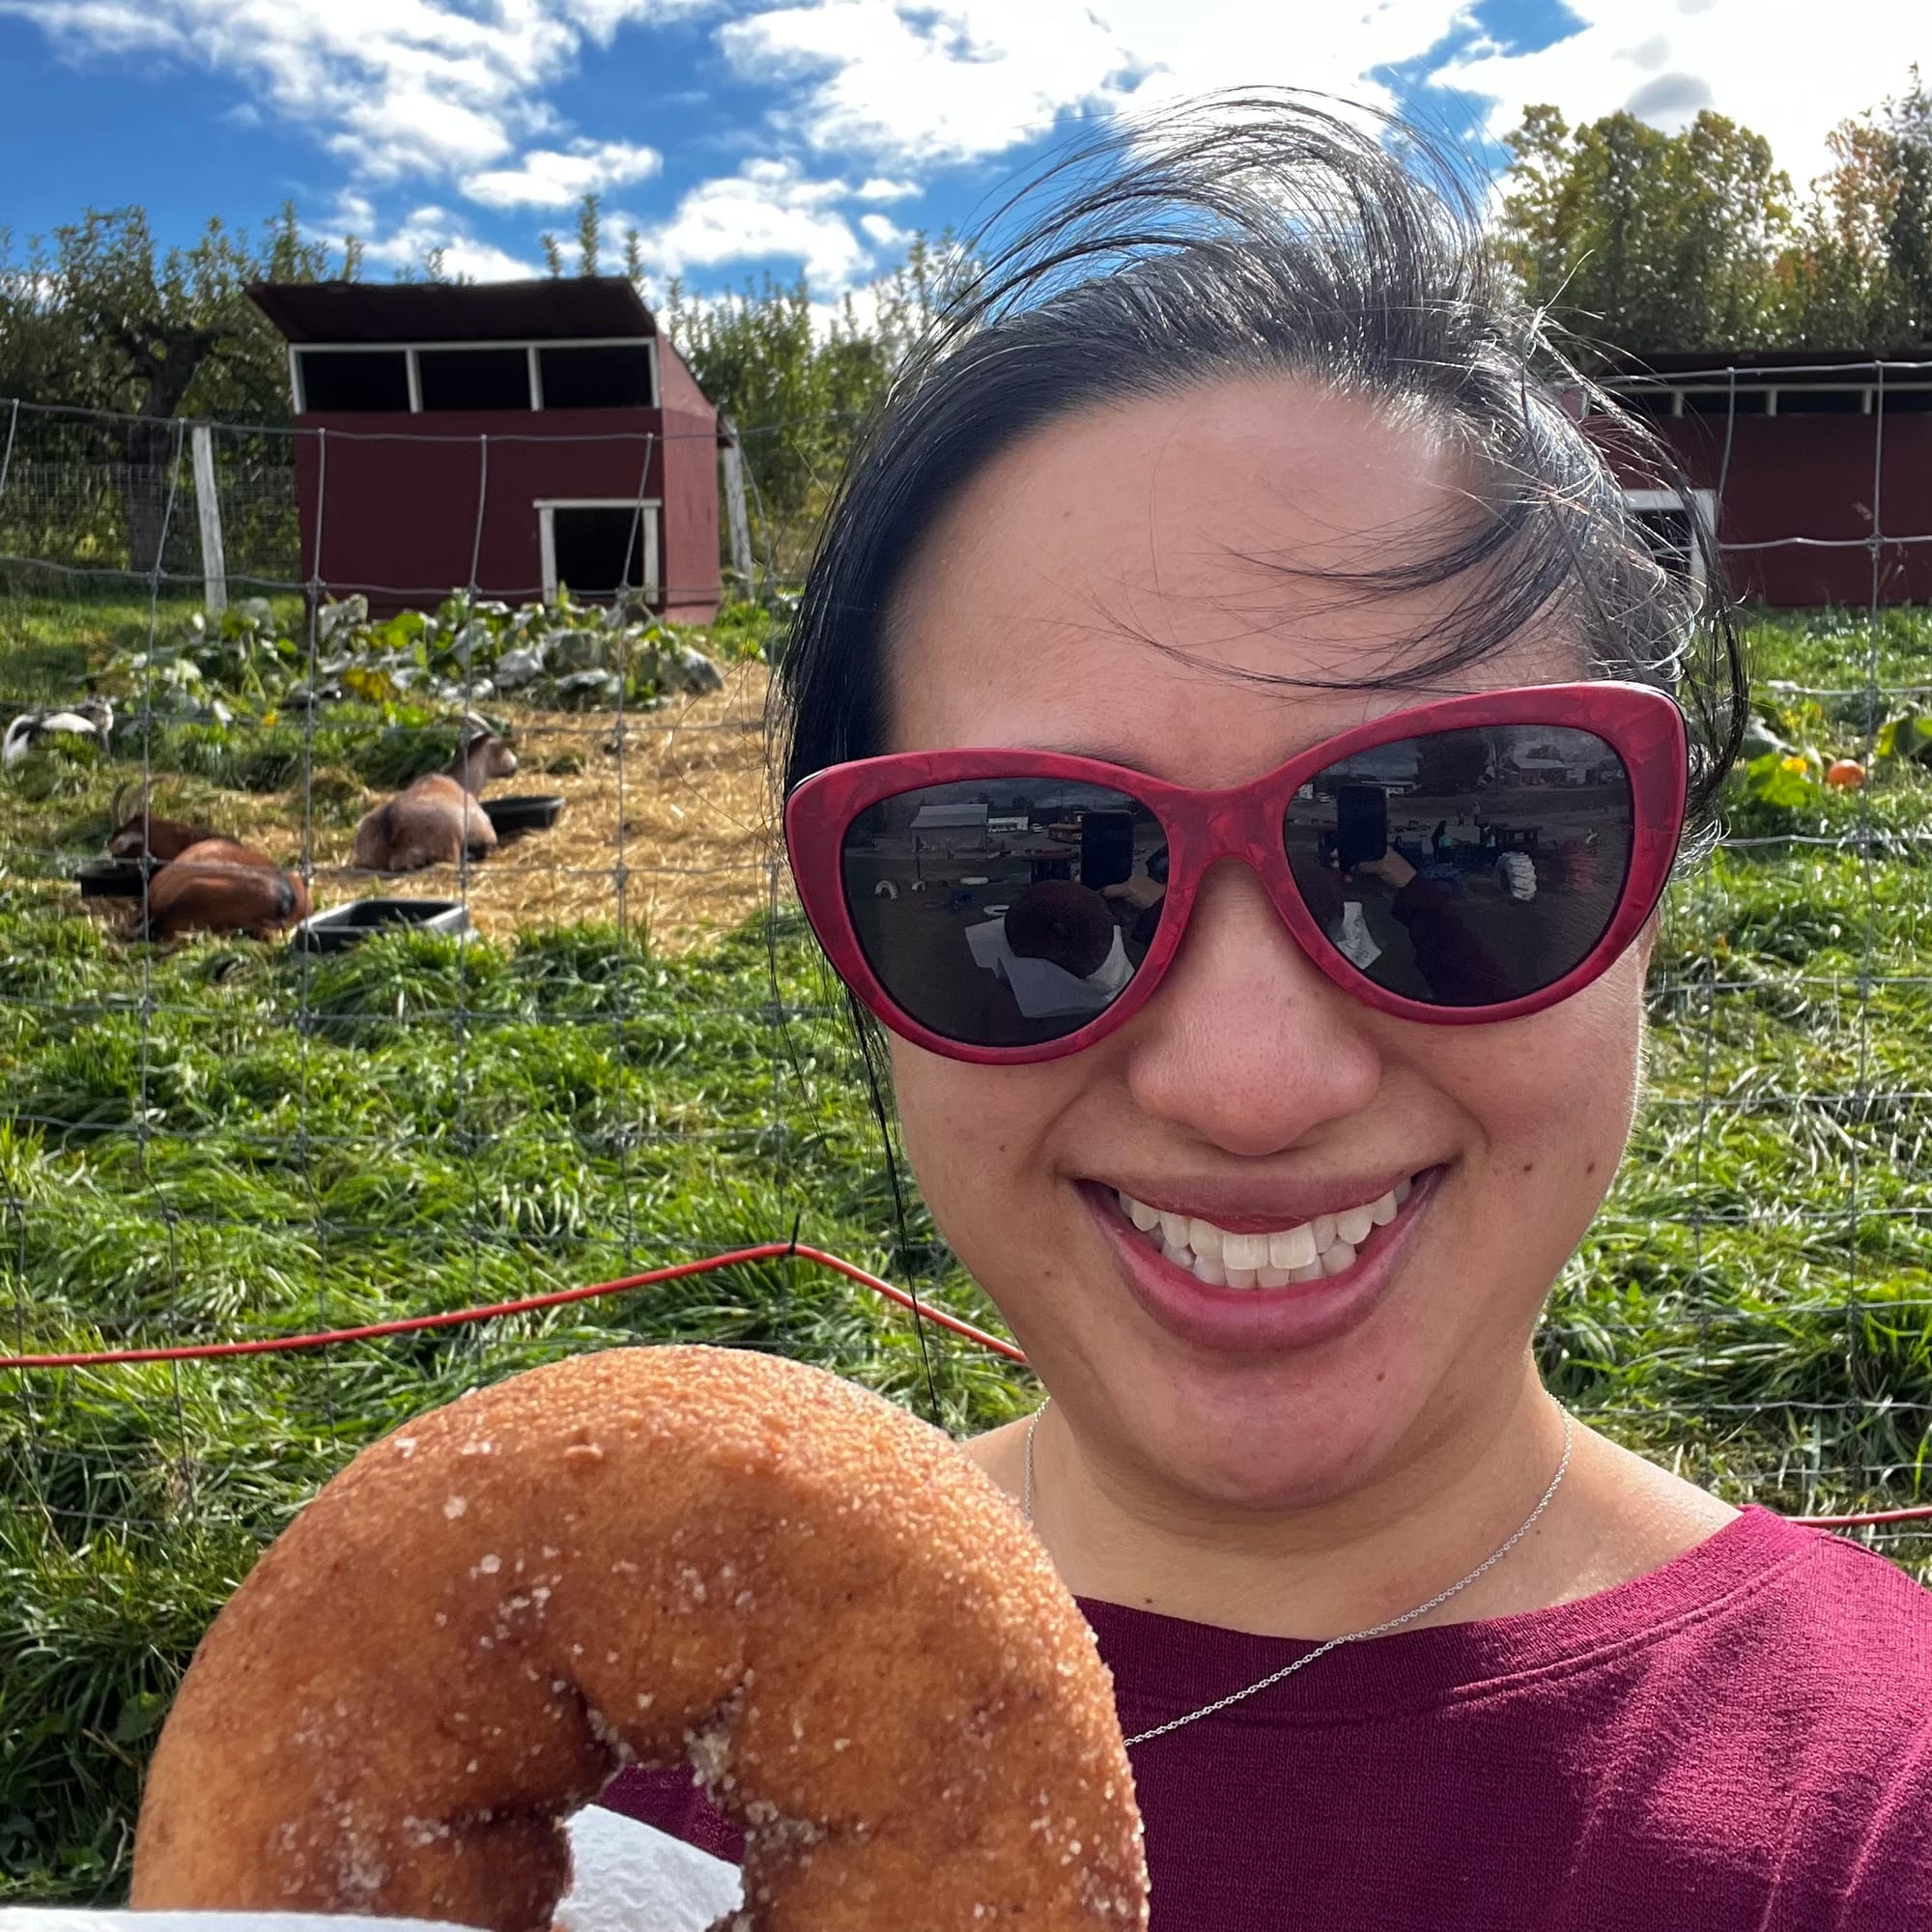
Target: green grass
(230, 1139)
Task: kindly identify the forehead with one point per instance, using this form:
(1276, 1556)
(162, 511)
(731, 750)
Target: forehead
(1092, 586)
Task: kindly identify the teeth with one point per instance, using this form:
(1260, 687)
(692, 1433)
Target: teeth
(1244, 1251)
(1205, 1239)
(1322, 1247)
(1292, 1248)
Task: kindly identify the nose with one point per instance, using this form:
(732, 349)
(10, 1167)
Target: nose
(1245, 1043)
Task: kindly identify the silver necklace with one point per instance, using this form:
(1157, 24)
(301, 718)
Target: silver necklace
(1275, 1677)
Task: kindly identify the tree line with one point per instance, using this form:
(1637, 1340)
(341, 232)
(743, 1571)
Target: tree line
(1644, 242)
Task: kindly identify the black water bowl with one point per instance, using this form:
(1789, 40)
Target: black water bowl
(349, 924)
(526, 811)
(116, 878)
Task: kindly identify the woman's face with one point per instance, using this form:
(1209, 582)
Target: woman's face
(1250, 1087)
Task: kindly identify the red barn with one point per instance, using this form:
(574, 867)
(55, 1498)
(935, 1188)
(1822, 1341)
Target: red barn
(516, 436)
(1804, 456)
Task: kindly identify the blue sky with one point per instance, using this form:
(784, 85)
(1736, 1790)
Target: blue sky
(795, 136)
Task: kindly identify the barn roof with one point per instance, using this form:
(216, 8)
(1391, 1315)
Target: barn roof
(1793, 367)
(557, 308)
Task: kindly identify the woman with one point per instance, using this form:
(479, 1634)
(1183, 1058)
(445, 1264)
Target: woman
(1238, 480)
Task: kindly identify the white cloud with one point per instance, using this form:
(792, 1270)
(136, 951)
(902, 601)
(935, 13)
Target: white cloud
(394, 87)
(1788, 80)
(550, 178)
(448, 96)
(103, 26)
(767, 209)
(967, 79)
(410, 243)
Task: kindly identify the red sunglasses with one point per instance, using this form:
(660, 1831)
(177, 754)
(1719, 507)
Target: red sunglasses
(1477, 858)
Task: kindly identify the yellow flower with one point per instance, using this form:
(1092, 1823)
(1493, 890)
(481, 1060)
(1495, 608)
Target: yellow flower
(1795, 764)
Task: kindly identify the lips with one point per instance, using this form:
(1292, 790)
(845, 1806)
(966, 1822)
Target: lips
(1312, 1307)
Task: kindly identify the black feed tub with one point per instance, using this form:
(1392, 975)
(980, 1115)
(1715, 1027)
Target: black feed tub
(116, 878)
(523, 811)
(349, 924)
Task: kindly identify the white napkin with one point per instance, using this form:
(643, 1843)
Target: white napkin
(627, 1875)
(631, 1875)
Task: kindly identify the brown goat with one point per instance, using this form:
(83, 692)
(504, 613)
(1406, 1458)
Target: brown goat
(437, 819)
(218, 886)
(139, 831)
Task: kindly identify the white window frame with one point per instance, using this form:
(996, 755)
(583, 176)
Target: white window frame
(531, 348)
(1702, 505)
(649, 508)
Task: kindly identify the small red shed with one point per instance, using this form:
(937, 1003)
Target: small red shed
(1799, 458)
(516, 436)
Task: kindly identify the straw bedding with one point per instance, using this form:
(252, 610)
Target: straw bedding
(671, 832)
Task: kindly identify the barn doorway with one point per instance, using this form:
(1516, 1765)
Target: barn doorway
(596, 550)
(1664, 519)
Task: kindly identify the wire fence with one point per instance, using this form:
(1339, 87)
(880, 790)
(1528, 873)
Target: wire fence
(632, 1061)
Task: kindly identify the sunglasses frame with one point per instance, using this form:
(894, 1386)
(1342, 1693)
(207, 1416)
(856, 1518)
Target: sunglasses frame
(1642, 725)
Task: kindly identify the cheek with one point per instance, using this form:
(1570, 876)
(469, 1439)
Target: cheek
(1554, 1094)
(971, 1134)
(981, 1143)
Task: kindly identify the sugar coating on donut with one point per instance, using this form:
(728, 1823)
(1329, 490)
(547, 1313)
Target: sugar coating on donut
(660, 1555)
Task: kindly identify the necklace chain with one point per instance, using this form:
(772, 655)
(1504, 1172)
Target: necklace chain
(1275, 1677)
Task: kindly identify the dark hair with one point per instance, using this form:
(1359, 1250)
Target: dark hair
(1059, 921)
(1252, 234)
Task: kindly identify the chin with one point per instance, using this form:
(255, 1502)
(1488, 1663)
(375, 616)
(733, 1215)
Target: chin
(1268, 1457)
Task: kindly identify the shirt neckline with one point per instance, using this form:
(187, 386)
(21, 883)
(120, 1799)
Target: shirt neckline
(1163, 1666)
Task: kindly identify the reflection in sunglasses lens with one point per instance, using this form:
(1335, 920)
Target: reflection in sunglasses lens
(1468, 867)
(1005, 912)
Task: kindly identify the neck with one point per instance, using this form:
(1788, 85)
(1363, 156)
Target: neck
(1117, 1534)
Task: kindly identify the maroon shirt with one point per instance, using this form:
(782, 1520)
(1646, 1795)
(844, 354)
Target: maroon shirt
(1741, 1742)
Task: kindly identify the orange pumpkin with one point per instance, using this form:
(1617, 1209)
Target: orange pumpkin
(1845, 775)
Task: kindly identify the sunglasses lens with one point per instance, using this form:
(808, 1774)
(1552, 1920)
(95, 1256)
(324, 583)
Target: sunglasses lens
(1466, 868)
(1005, 912)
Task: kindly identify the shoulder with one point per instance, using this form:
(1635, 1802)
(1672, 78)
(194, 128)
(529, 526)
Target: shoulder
(1759, 1714)
(1822, 1662)
(1000, 1453)
(1821, 1617)
(1853, 1657)
(1875, 1619)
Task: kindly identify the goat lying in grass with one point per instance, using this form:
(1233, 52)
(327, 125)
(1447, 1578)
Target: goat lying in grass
(138, 831)
(436, 821)
(220, 886)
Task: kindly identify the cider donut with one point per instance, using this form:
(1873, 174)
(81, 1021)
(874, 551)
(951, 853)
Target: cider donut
(654, 1554)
